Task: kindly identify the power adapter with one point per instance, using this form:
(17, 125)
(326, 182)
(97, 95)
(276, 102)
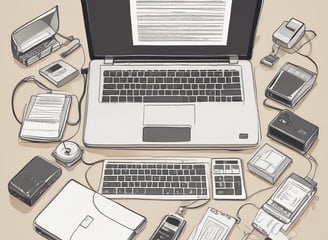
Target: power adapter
(293, 131)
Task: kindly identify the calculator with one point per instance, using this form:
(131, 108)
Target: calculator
(227, 179)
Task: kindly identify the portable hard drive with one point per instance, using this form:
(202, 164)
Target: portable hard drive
(35, 177)
(293, 131)
(290, 84)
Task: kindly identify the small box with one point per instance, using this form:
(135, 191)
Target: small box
(268, 163)
(34, 178)
(59, 73)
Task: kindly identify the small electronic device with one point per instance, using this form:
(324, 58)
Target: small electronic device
(269, 163)
(34, 179)
(227, 179)
(214, 225)
(59, 73)
(36, 39)
(68, 153)
(289, 198)
(170, 228)
(289, 33)
(293, 131)
(285, 205)
(290, 84)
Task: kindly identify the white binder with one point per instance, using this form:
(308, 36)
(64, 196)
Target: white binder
(78, 213)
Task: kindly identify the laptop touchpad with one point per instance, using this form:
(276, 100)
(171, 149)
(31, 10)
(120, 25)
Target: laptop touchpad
(168, 123)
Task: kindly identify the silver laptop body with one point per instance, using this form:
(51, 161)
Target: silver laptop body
(173, 125)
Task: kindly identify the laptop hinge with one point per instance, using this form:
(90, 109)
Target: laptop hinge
(233, 59)
(109, 61)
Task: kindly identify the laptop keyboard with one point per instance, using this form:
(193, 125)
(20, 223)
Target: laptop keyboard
(121, 86)
(158, 179)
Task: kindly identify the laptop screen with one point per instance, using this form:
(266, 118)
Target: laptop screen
(170, 28)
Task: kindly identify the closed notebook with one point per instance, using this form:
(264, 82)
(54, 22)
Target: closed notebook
(80, 213)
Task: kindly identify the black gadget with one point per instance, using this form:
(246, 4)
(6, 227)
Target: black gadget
(290, 84)
(293, 131)
(170, 228)
(34, 179)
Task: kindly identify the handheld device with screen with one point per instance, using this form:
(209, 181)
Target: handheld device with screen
(170, 228)
(290, 198)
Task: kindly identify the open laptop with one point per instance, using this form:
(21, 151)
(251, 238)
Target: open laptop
(171, 74)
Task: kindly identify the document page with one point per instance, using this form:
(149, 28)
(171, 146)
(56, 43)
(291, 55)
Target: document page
(45, 116)
(180, 22)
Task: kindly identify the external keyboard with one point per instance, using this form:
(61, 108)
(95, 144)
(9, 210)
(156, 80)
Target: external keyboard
(185, 178)
(122, 86)
(227, 179)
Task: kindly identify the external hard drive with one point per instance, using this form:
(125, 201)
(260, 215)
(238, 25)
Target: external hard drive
(35, 177)
(293, 131)
(290, 84)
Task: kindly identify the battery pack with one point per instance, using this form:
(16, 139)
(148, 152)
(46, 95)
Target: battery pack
(293, 131)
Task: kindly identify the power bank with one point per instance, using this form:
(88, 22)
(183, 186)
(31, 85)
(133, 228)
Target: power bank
(293, 131)
(34, 178)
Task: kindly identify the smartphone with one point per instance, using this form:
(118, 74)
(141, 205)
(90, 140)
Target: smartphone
(170, 228)
(290, 198)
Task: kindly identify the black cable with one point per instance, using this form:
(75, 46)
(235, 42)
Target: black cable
(25, 80)
(79, 107)
(83, 73)
(188, 206)
(311, 60)
(87, 171)
(296, 50)
(270, 106)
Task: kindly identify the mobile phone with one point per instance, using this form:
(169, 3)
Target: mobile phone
(170, 228)
(290, 198)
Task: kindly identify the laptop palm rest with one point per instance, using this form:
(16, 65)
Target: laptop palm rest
(168, 123)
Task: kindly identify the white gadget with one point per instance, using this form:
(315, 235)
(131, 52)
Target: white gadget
(68, 153)
(59, 73)
(281, 210)
(269, 163)
(288, 34)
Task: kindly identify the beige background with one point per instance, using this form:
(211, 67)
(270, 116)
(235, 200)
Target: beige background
(17, 218)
